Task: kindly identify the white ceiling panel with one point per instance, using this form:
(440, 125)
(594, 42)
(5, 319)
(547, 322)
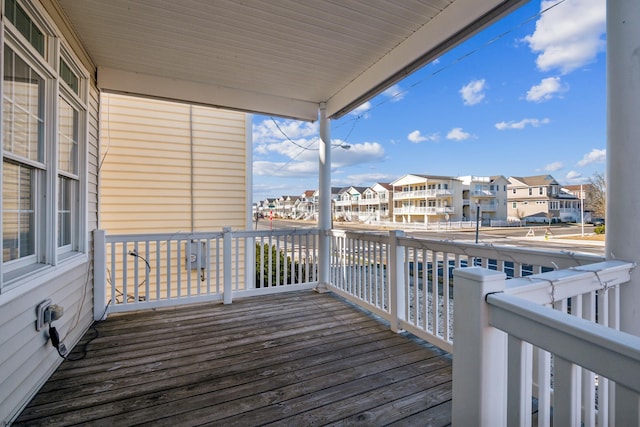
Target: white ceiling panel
(280, 57)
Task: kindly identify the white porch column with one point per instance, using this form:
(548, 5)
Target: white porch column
(324, 202)
(623, 149)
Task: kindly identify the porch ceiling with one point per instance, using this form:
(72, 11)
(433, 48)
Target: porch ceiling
(279, 57)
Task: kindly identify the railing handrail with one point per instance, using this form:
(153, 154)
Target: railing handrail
(119, 238)
(569, 282)
(499, 331)
(584, 343)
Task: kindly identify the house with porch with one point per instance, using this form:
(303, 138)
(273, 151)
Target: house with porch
(375, 203)
(347, 207)
(427, 198)
(155, 361)
(541, 198)
(484, 194)
(306, 205)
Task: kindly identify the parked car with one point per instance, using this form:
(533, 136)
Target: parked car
(597, 221)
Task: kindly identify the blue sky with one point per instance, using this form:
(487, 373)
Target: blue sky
(523, 97)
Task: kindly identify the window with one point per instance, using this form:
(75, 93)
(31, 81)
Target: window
(43, 127)
(513, 191)
(541, 191)
(24, 24)
(514, 205)
(531, 191)
(23, 159)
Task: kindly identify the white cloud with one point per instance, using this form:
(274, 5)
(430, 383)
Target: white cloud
(522, 124)
(546, 90)
(416, 137)
(473, 92)
(287, 169)
(303, 162)
(594, 156)
(366, 152)
(268, 131)
(574, 177)
(552, 167)
(457, 134)
(395, 93)
(569, 35)
(368, 179)
(362, 110)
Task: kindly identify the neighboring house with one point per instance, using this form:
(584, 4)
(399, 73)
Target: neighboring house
(488, 194)
(375, 202)
(170, 167)
(540, 199)
(288, 206)
(347, 207)
(306, 205)
(585, 193)
(426, 198)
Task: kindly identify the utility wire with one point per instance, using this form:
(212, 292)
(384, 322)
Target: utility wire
(447, 66)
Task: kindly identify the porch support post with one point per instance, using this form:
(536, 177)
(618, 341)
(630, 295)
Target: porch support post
(479, 352)
(395, 265)
(623, 150)
(227, 296)
(99, 275)
(324, 202)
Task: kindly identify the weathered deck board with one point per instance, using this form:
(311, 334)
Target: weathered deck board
(290, 359)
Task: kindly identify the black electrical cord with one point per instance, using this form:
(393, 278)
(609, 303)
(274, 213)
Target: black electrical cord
(61, 348)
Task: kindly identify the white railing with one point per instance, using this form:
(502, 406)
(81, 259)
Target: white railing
(483, 193)
(420, 194)
(394, 276)
(134, 272)
(422, 210)
(370, 201)
(551, 337)
(488, 206)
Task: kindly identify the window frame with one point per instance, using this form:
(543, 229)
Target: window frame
(31, 269)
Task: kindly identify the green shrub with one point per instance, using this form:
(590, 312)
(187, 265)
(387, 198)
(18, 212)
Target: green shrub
(283, 269)
(599, 229)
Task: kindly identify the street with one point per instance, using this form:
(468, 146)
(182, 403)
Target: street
(529, 237)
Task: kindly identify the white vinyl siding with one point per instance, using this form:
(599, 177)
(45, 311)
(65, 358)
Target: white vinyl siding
(171, 167)
(27, 358)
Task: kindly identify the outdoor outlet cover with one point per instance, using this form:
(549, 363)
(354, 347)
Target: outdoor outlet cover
(40, 309)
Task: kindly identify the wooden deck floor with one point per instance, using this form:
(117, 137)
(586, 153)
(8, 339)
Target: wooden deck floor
(296, 359)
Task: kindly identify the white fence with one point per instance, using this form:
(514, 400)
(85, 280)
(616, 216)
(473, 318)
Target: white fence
(134, 272)
(408, 281)
(551, 339)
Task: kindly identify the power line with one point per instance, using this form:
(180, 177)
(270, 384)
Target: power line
(449, 65)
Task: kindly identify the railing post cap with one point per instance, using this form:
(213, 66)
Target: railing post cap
(479, 274)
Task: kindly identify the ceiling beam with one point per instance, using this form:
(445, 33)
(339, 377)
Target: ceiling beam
(138, 84)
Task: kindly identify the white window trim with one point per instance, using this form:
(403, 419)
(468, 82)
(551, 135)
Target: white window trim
(34, 274)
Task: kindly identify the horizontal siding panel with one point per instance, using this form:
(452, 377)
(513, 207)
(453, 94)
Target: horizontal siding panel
(147, 180)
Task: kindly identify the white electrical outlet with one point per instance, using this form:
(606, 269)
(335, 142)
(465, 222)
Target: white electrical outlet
(40, 313)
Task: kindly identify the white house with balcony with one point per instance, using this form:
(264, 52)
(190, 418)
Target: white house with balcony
(375, 202)
(306, 205)
(426, 198)
(176, 341)
(347, 206)
(484, 194)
